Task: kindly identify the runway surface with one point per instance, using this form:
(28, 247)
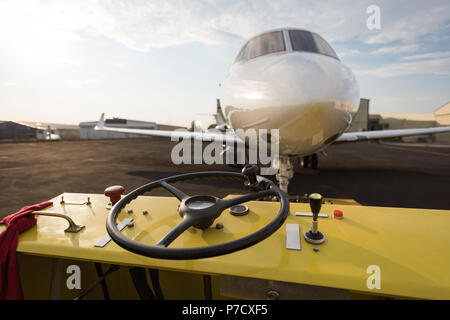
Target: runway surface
(372, 174)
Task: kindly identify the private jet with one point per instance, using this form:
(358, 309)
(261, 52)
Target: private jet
(292, 80)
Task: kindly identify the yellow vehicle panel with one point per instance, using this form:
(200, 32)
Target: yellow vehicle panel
(410, 246)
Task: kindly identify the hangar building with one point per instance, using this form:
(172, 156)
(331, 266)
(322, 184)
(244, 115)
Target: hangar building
(440, 117)
(37, 130)
(363, 121)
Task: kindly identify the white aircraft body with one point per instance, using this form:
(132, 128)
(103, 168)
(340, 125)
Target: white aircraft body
(291, 80)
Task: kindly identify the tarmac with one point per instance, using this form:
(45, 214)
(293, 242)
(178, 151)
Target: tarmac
(373, 174)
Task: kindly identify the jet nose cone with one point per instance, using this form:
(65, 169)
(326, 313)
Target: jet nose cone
(290, 79)
(306, 96)
(301, 77)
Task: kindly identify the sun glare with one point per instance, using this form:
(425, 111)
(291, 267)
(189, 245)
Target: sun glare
(37, 37)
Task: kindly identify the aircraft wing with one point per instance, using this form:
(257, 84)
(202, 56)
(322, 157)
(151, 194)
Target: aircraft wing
(382, 134)
(202, 136)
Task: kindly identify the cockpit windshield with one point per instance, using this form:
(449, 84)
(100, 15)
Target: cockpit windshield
(272, 42)
(310, 42)
(261, 45)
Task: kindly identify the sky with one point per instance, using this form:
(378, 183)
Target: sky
(67, 61)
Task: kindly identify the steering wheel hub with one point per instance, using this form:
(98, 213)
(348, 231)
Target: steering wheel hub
(205, 209)
(200, 202)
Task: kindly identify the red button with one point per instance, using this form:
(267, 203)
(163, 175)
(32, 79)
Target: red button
(338, 214)
(114, 193)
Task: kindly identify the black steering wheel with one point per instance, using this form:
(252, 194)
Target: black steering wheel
(200, 212)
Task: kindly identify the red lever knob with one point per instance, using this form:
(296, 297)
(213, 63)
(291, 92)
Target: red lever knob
(338, 214)
(114, 193)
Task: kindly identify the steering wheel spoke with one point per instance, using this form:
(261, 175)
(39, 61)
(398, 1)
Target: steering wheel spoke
(227, 203)
(180, 195)
(186, 223)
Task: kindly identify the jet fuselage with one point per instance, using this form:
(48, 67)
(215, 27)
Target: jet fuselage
(307, 95)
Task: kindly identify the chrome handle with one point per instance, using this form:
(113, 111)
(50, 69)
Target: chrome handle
(73, 227)
(88, 202)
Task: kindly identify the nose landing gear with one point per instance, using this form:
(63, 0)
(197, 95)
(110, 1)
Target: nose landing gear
(286, 168)
(285, 172)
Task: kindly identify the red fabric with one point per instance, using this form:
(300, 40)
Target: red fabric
(10, 288)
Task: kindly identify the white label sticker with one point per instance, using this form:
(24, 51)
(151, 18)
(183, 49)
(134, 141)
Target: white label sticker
(293, 236)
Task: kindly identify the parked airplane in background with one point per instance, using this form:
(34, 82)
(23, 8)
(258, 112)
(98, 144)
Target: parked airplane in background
(291, 80)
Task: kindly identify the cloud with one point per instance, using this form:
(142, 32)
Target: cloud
(431, 55)
(145, 25)
(397, 49)
(80, 83)
(11, 84)
(352, 52)
(409, 21)
(439, 66)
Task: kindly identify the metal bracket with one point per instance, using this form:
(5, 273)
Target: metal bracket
(73, 227)
(106, 239)
(309, 214)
